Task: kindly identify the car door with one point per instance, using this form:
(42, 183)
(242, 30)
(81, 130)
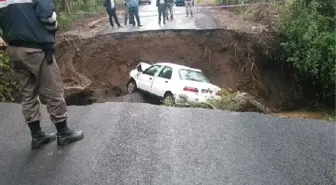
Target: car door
(146, 78)
(162, 82)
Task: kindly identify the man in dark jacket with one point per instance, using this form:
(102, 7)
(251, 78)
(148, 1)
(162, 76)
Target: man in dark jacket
(111, 11)
(29, 28)
(133, 9)
(162, 5)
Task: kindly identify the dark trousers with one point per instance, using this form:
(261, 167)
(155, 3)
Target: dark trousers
(112, 14)
(162, 12)
(134, 12)
(169, 9)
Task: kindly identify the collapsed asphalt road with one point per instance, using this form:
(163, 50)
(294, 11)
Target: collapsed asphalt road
(137, 143)
(149, 20)
(135, 97)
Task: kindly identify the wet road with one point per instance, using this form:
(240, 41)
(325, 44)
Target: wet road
(138, 143)
(149, 20)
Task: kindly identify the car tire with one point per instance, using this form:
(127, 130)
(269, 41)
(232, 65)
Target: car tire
(169, 98)
(131, 87)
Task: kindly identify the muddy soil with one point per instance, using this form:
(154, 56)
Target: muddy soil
(239, 61)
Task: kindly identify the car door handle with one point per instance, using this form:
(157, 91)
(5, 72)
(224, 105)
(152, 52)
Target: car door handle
(150, 78)
(166, 81)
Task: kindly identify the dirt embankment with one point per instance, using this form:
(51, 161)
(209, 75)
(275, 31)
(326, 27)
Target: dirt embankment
(230, 59)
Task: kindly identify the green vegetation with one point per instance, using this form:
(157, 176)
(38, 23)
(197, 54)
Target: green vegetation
(7, 84)
(6, 89)
(68, 11)
(308, 32)
(232, 2)
(329, 117)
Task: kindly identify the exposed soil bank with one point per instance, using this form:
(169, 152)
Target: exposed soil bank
(230, 59)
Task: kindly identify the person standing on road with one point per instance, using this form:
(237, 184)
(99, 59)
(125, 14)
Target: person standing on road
(133, 8)
(162, 5)
(189, 4)
(29, 29)
(169, 8)
(111, 11)
(126, 13)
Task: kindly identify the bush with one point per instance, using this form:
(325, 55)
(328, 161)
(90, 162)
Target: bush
(7, 84)
(307, 28)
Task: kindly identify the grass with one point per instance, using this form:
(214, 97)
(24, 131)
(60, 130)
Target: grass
(65, 19)
(329, 117)
(326, 114)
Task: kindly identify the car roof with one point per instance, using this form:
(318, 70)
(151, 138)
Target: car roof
(172, 65)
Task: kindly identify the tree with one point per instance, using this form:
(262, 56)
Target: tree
(308, 32)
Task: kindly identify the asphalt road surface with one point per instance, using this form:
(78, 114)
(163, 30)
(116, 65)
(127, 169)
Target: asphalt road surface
(135, 143)
(149, 20)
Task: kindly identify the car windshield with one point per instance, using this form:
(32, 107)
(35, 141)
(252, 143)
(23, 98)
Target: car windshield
(188, 74)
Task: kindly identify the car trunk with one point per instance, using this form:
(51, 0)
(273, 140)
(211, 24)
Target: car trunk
(204, 88)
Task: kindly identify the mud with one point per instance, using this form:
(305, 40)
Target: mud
(240, 61)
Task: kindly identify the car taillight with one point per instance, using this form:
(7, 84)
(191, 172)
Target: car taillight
(191, 89)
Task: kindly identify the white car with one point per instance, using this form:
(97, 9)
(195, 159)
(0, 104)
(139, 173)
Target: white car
(172, 82)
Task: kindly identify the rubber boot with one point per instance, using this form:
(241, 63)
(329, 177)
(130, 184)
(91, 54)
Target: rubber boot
(40, 138)
(66, 135)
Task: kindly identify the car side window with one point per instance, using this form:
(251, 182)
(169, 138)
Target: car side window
(166, 72)
(152, 70)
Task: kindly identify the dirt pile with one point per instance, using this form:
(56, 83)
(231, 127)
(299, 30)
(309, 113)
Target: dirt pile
(230, 59)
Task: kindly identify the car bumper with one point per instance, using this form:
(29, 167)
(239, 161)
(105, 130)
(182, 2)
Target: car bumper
(194, 98)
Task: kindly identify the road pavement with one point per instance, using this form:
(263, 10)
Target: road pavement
(149, 20)
(135, 143)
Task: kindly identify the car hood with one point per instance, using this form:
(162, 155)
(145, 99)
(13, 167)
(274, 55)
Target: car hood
(143, 65)
(135, 72)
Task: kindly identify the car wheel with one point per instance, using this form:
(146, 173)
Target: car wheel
(168, 99)
(131, 87)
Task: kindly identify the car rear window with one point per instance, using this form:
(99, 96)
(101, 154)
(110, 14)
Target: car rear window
(192, 75)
